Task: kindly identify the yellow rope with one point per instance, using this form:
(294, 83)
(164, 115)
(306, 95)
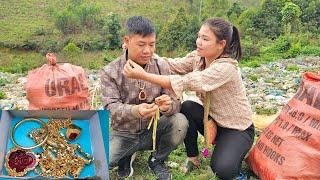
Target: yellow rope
(205, 118)
(154, 121)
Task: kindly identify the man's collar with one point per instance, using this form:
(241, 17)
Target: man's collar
(151, 62)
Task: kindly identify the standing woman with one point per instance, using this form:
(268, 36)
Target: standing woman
(213, 68)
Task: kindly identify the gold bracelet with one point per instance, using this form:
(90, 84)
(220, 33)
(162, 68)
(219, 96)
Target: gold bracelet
(26, 120)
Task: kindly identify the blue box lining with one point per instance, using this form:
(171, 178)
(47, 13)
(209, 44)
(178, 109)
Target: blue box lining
(21, 137)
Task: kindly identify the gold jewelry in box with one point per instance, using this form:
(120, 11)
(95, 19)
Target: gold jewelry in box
(59, 159)
(20, 160)
(44, 126)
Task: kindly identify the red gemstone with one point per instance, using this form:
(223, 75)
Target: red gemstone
(73, 136)
(142, 95)
(20, 160)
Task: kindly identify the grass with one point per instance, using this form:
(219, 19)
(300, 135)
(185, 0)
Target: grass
(15, 61)
(24, 23)
(22, 20)
(2, 95)
(141, 170)
(292, 67)
(178, 156)
(254, 77)
(19, 61)
(263, 58)
(266, 111)
(3, 82)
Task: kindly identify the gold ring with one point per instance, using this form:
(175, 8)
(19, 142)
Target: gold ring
(26, 120)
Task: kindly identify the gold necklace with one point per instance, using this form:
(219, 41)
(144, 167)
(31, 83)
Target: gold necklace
(142, 93)
(59, 158)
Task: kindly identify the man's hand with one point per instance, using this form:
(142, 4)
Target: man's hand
(164, 102)
(133, 70)
(147, 110)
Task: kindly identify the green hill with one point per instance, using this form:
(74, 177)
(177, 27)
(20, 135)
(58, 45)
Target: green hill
(28, 29)
(22, 20)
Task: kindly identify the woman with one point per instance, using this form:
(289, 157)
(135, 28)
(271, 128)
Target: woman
(212, 69)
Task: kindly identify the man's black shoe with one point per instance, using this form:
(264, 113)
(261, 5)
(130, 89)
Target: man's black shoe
(125, 167)
(159, 169)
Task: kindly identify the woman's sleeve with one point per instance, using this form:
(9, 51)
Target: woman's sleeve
(203, 81)
(182, 65)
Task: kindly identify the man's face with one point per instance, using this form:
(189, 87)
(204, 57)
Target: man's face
(140, 49)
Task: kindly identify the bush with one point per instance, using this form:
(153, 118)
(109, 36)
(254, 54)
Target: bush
(20, 66)
(295, 50)
(2, 95)
(111, 55)
(88, 14)
(282, 44)
(3, 82)
(266, 111)
(71, 50)
(30, 45)
(278, 49)
(97, 44)
(67, 22)
(292, 67)
(94, 65)
(76, 16)
(254, 77)
(20, 61)
(269, 57)
(253, 63)
(311, 50)
(50, 46)
(250, 49)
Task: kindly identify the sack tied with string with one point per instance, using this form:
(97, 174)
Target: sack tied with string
(289, 148)
(56, 86)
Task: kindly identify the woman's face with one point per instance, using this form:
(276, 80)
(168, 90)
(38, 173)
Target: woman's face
(207, 44)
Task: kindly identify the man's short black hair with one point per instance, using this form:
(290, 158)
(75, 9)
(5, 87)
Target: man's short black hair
(139, 25)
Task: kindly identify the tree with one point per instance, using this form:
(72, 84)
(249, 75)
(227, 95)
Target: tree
(247, 27)
(88, 14)
(174, 34)
(112, 29)
(179, 34)
(310, 14)
(268, 18)
(215, 8)
(236, 9)
(76, 16)
(190, 2)
(290, 17)
(192, 33)
(234, 12)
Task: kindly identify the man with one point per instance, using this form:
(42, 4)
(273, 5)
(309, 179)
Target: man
(132, 103)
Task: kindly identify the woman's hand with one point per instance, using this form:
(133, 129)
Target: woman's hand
(133, 70)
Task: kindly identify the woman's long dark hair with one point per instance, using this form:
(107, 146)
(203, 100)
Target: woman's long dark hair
(226, 31)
